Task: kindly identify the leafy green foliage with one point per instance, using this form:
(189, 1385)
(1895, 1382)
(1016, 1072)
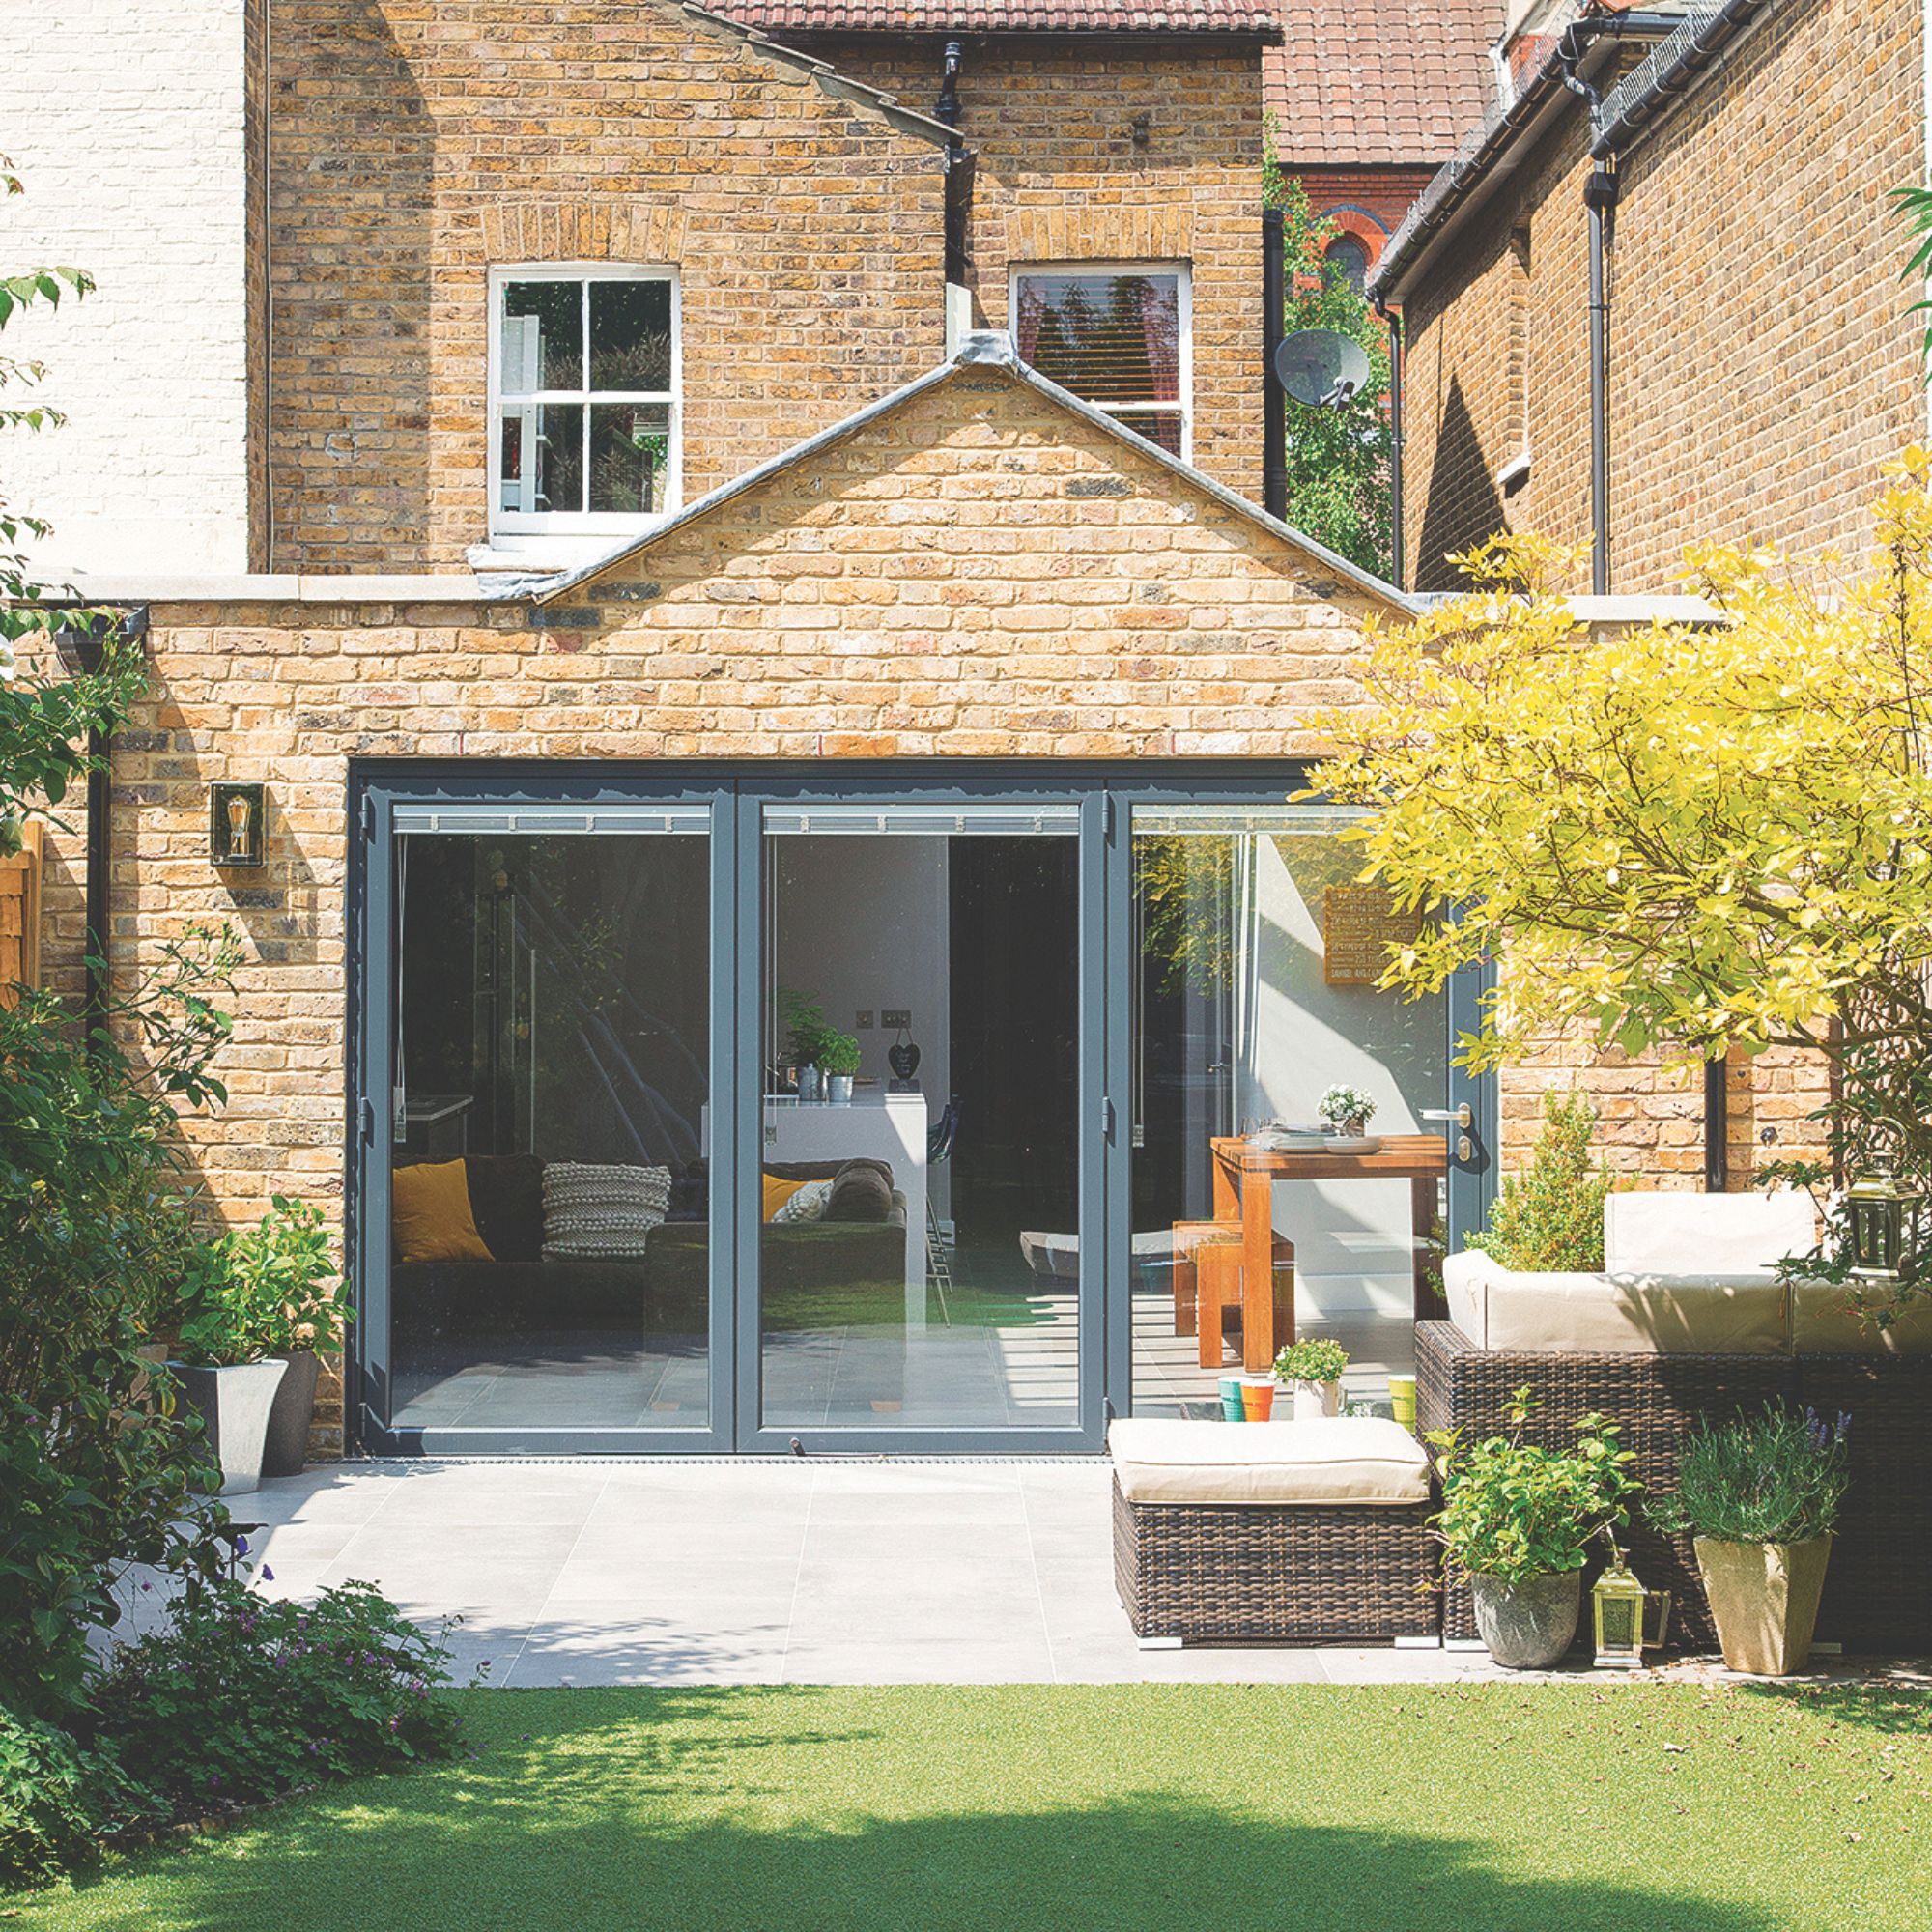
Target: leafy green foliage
(1774, 1477)
(1317, 1359)
(1702, 838)
(1549, 1214)
(240, 1699)
(1514, 1511)
(1339, 459)
(268, 1290)
(97, 1465)
(838, 1052)
(57, 1799)
(806, 1029)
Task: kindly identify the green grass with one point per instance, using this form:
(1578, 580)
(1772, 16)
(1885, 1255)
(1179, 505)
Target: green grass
(1150, 1808)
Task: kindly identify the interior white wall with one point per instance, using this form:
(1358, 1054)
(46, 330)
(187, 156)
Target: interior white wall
(1351, 1239)
(125, 124)
(862, 925)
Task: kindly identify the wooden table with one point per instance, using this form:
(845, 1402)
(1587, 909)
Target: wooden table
(1244, 1178)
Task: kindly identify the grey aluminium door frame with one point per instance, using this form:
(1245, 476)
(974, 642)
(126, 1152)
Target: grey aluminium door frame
(736, 794)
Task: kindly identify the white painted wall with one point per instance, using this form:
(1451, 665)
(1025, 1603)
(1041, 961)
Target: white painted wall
(125, 120)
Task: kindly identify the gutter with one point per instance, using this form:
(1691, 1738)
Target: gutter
(1493, 149)
(1650, 91)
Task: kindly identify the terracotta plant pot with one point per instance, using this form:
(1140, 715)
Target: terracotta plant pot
(234, 1404)
(1764, 1600)
(285, 1453)
(1529, 1626)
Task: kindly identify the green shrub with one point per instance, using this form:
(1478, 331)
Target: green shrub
(268, 1290)
(240, 1699)
(1514, 1511)
(1316, 1360)
(1550, 1216)
(1776, 1477)
(58, 1800)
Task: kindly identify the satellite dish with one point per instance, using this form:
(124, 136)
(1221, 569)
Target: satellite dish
(1321, 367)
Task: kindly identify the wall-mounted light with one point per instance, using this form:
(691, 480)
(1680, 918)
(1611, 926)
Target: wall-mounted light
(236, 819)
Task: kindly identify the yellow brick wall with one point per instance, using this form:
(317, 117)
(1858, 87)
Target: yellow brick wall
(1097, 150)
(411, 144)
(1763, 365)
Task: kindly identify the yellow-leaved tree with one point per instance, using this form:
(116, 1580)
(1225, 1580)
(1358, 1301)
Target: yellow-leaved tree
(1699, 836)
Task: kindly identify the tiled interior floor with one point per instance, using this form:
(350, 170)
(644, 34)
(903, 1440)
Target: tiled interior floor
(969, 1374)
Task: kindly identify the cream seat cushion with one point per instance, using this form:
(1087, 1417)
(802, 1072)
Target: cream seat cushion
(1824, 1322)
(1337, 1459)
(1644, 1314)
(1676, 1233)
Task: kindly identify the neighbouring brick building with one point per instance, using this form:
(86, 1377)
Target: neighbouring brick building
(1761, 361)
(691, 534)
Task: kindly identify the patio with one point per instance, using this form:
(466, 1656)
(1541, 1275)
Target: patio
(686, 1572)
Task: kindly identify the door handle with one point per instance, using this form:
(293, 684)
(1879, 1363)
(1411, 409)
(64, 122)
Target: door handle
(1460, 1116)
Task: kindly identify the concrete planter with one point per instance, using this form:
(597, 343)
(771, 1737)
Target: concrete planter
(1764, 1600)
(285, 1452)
(234, 1402)
(1529, 1626)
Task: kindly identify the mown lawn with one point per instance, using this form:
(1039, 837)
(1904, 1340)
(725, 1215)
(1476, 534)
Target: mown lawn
(1147, 1808)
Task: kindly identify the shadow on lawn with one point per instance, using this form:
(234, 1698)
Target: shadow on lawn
(1893, 1710)
(634, 1823)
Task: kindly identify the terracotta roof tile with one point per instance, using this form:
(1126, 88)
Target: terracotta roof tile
(1251, 17)
(1367, 81)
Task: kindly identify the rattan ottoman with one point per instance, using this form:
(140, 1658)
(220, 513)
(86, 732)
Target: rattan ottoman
(1298, 1560)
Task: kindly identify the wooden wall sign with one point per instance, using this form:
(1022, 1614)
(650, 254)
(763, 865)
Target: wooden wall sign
(1359, 924)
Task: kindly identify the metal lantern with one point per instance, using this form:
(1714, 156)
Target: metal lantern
(1879, 1209)
(234, 824)
(1617, 1599)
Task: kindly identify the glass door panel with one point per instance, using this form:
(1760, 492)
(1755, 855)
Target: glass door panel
(1255, 952)
(918, 1259)
(550, 997)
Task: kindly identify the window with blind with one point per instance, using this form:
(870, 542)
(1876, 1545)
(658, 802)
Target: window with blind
(1117, 335)
(583, 370)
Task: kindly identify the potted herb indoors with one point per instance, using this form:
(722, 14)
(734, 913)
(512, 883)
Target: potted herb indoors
(1517, 1522)
(1345, 1112)
(839, 1058)
(248, 1302)
(807, 1031)
(1313, 1372)
(1760, 1496)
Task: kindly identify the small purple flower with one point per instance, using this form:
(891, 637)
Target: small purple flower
(240, 1546)
(146, 1586)
(267, 1574)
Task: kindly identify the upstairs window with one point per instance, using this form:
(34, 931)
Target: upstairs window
(1117, 335)
(584, 368)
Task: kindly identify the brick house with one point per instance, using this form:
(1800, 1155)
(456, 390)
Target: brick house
(677, 579)
(1760, 363)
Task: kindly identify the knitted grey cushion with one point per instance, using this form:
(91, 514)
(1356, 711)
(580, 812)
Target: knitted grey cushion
(601, 1213)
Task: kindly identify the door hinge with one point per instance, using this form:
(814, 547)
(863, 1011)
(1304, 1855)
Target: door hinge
(1106, 1118)
(365, 1121)
(1106, 814)
(368, 815)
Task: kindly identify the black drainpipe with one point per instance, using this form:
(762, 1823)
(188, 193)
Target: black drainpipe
(1716, 1129)
(1392, 320)
(1600, 197)
(83, 649)
(1274, 400)
(958, 163)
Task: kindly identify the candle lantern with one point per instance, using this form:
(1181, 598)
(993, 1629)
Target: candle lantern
(1880, 1210)
(1629, 1618)
(235, 815)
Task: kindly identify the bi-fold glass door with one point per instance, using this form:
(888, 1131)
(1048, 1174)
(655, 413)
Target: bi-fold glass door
(726, 1112)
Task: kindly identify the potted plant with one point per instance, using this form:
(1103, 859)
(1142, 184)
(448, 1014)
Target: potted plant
(249, 1302)
(1313, 1372)
(1345, 1112)
(1517, 1522)
(291, 1254)
(1760, 1495)
(838, 1057)
(807, 1031)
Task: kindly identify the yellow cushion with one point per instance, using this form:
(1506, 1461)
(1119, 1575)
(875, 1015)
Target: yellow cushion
(429, 1209)
(778, 1191)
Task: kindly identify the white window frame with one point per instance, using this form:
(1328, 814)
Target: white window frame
(1184, 311)
(583, 522)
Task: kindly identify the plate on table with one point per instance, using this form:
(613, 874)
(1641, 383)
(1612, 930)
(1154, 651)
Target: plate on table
(1356, 1143)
